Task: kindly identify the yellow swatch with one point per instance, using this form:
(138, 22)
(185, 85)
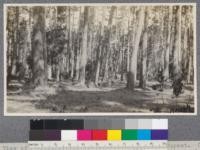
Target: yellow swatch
(114, 135)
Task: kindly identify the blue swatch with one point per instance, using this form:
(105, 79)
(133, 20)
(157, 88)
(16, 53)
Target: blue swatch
(144, 135)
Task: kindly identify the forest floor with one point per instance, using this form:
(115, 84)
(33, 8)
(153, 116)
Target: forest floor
(66, 97)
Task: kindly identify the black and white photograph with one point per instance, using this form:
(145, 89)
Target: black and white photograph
(100, 59)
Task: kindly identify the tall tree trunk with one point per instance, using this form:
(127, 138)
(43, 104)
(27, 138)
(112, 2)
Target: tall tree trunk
(166, 65)
(143, 65)
(190, 49)
(128, 51)
(98, 66)
(77, 59)
(83, 55)
(99, 50)
(45, 50)
(58, 70)
(122, 59)
(185, 51)
(161, 40)
(58, 58)
(133, 65)
(66, 47)
(177, 49)
(78, 50)
(9, 59)
(10, 47)
(70, 46)
(16, 43)
(38, 47)
(105, 77)
(189, 69)
(29, 37)
(143, 72)
(128, 57)
(122, 65)
(179, 33)
(185, 48)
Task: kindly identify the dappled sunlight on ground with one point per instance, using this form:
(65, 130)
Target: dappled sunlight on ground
(64, 97)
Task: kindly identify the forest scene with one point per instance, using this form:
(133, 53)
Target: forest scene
(100, 59)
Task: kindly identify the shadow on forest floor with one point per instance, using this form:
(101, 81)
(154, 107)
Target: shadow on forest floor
(64, 97)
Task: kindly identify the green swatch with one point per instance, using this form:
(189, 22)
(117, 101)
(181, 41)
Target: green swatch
(129, 134)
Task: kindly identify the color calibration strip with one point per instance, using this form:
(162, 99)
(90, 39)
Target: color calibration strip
(107, 130)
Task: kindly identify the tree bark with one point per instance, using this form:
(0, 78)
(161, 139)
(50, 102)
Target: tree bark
(177, 49)
(38, 47)
(166, 65)
(185, 47)
(179, 34)
(16, 43)
(58, 71)
(29, 38)
(131, 79)
(9, 58)
(161, 39)
(77, 59)
(189, 69)
(83, 55)
(122, 57)
(128, 57)
(66, 47)
(122, 64)
(45, 50)
(77, 65)
(99, 50)
(190, 64)
(143, 72)
(128, 51)
(105, 77)
(70, 46)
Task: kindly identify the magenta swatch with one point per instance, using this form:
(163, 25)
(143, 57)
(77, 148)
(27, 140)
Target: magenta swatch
(84, 135)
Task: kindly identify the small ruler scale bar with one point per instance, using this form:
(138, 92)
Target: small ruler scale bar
(97, 145)
(101, 145)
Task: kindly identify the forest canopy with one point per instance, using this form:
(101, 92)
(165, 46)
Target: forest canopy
(100, 43)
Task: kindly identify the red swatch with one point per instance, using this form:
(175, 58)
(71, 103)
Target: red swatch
(99, 134)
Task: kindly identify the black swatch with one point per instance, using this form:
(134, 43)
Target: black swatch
(36, 124)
